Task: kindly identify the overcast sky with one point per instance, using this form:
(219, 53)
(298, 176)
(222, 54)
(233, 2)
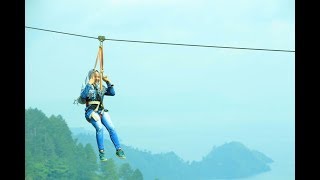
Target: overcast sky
(171, 98)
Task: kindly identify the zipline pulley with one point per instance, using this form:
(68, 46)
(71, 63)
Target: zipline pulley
(101, 39)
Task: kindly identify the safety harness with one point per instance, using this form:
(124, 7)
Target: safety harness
(94, 102)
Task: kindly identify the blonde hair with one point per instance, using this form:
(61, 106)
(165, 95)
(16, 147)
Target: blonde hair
(91, 72)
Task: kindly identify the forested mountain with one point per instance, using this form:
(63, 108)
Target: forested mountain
(164, 166)
(231, 160)
(52, 153)
(228, 161)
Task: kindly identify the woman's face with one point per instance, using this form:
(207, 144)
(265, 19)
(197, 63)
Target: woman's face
(96, 77)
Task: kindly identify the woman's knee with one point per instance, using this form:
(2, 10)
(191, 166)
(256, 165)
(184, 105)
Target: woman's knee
(99, 129)
(97, 125)
(111, 130)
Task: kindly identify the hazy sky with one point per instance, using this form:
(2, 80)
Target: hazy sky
(170, 98)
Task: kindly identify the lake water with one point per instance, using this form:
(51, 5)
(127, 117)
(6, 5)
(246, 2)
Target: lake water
(278, 171)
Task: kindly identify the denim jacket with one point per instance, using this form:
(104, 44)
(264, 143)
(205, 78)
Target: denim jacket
(93, 93)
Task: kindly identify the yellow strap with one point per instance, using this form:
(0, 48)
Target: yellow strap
(101, 65)
(98, 57)
(95, 102)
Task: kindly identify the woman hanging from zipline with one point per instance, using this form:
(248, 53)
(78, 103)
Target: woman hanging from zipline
(92, 95)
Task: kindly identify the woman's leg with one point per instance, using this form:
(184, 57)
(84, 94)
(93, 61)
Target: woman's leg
(97, 124)
(106, 121)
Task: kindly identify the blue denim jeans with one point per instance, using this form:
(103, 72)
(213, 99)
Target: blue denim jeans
(105, 121)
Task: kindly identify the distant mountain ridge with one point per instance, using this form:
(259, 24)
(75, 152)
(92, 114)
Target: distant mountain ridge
(56, 151)
(230, 160)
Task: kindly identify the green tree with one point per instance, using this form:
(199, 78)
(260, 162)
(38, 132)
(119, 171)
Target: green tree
(125, 171)
(85, 162)
(137, 175)
(109, 170)
(52, 153)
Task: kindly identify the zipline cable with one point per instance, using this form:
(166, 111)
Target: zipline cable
(165, 43)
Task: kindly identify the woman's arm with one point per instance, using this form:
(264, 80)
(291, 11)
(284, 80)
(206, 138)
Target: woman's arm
(84, 93)
(110, 90)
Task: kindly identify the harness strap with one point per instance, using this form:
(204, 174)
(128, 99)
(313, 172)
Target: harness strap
(95, 102)
(101, 65)
(100, 57)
